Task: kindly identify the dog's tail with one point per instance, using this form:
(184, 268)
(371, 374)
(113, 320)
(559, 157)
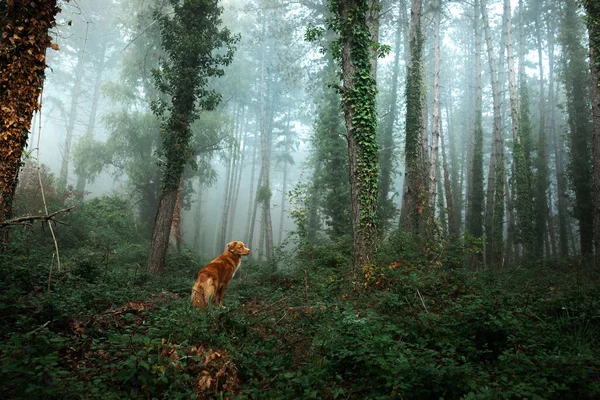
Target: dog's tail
(202, 293)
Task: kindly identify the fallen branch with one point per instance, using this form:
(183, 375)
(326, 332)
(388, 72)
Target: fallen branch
(31, 218)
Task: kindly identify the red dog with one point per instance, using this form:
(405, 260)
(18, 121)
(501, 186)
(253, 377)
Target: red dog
(213, 279)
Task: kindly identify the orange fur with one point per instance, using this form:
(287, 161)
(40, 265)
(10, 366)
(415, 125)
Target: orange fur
(213, 279)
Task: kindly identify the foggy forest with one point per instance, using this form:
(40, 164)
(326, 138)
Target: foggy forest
(400, 199)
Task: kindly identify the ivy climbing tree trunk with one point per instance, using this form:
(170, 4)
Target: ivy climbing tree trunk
(520, 130)
(593, 22)
(358, 102)
(576, 77)
(414, 190)
(189, 35)
(22, 66)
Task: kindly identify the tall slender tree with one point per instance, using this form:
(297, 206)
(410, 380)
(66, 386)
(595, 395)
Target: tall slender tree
(413, 199)
(593, 23)
(189, 35)
(576, 78)
(476, 193)
(494, 214)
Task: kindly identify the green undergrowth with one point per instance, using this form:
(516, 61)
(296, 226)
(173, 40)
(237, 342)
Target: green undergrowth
(411, 326)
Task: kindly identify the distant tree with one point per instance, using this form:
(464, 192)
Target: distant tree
(331, 158)
(521, 129)
(494, 213)
(192, 38)
(576, 79)
(476, 193)
(23, 45)
(593, 23)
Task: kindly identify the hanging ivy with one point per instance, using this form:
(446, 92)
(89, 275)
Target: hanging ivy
(23, 45)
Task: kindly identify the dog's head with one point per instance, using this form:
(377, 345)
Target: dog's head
(237, 248)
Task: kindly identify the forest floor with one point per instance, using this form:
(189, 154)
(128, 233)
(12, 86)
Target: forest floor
(407, 328)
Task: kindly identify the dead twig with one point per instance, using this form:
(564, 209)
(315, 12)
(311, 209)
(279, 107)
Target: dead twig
(422, 301)
(31, 218)
(42, 186)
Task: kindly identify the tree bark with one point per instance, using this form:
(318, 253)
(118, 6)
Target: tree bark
(593, 23)
(413, 181)
(494, 215)
(358, 64)
(22, 66)
(161, 230)
(435, 131)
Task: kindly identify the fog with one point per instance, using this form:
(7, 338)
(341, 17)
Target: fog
(97, 121)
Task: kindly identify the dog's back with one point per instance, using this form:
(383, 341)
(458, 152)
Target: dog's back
(213, 279)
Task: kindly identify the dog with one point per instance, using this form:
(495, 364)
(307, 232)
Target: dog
(213, 279)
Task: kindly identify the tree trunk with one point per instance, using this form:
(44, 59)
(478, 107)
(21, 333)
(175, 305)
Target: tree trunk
(358, 21)
(198, 218)
(541, 180)
(577, 83)
(251, 227)
(283, 197)
(91, 126)
(75, 93)
(175, 235)
(593, 23)
(23, 63)
(413, 180)
(386, 164)
(435, 131)
(453, 228)
(475, 192)
(161, 230)
(251, 201)
(236, 190)
(494, 216)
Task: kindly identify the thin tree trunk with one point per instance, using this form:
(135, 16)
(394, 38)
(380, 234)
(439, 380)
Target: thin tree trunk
(254, 210)
(453, 229)
(198, 220)
(435, 132)
(252, 190)
(236, 190)
(283, 197)
(495, 193)
(91, 126)
(75, 93)
(593, 23)
(387, 152)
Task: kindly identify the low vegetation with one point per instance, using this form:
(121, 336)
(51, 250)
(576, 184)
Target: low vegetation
(408, 326)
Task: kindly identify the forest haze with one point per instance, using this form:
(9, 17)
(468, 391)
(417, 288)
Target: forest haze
(418, 182)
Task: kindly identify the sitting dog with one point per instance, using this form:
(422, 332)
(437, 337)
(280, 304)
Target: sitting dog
(213, 279)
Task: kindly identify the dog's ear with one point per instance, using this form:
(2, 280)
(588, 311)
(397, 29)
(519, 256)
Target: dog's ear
(231, 246)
